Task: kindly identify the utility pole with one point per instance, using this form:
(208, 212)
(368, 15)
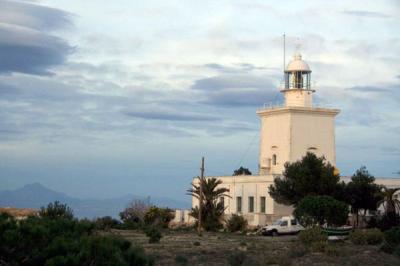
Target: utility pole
(200, 196)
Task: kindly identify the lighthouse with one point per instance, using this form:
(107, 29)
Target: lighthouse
(289, 131)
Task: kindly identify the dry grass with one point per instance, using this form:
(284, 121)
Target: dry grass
(186, 248)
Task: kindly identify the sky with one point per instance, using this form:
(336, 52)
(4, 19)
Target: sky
(104, 98)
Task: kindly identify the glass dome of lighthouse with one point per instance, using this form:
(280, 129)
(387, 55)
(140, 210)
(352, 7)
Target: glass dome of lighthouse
(297, 74)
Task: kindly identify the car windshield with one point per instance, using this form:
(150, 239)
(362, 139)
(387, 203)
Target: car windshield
(277, 222)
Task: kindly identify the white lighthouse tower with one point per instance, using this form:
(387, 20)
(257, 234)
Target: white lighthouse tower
(288, 132)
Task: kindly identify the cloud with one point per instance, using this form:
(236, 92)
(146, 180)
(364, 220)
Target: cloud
(391, 91)
(237, 68)
(237, 90)
(171, 115)
(244, 97)
(368, 14)
(367, 89)
(25, 45)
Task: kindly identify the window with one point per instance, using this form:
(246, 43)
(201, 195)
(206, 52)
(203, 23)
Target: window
(238, 204)
(251, 204)
(293, 222)
(274, 159)
(222, 201)
(284, 223)
(262, 204)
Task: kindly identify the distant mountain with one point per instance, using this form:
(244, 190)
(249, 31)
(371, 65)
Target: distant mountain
(36, 195)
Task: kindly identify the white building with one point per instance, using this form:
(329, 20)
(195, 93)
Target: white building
(288, 132)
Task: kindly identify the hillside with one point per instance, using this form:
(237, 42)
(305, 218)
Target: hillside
(36, 195)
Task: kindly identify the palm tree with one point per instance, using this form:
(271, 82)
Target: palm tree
(212, 209)
(390, 203)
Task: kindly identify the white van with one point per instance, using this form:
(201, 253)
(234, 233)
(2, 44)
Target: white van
(285, 225)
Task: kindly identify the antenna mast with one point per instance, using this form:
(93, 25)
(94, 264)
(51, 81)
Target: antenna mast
(284, 52)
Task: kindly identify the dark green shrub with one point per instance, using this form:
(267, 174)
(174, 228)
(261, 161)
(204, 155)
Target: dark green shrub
(106, 223)
(392, 236)
(59, 240)
(364, 237)
(318, 210)
(332, 250)
(153, 234)
(181, 260)
(315, 234)
(56, 210)
(374, 236)
(106, 250)
(237, 259)
(297, 250)
(392, 241)
(384, 222)
(358, 237)
(318, 246)
(156, 216)
(387, 248)
(396, 251)
(236, 223)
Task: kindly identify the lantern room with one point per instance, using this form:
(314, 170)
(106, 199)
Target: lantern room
(297, 74)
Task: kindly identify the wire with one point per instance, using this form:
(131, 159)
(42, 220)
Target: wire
(247, 150)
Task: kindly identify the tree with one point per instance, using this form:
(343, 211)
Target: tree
(309, 176)
(242, 171)
(390, 204)
(159, 217)
(212, 209)
(319, 210)
(56, 210)
(362, 193)
(133, 215)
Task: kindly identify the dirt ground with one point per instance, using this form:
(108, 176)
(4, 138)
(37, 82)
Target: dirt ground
(186, 248)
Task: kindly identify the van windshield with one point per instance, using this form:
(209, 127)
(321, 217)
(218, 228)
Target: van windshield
(277, 222)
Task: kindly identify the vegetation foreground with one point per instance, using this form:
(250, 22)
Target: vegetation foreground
(214, 248)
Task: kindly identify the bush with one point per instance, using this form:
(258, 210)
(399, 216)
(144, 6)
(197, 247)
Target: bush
(383, 222)
(153, 234)
(156, 216)
(62, 241)
(358, 238)
(181, 260)
(364, 237)
(56, 210)
(318, 210)
(106, 223)
(236, 223)
(318, 246)
(392, 241)
(133, 215)
(309, 236)
(374, 236)
(332, 250)
(392, 236)
(297, 251)
(237, 259)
